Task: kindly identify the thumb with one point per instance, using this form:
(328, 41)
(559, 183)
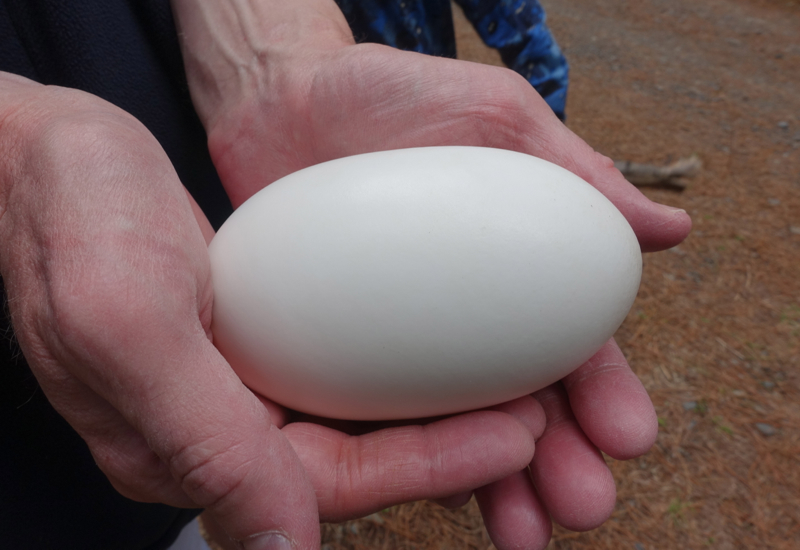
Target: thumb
(222, 447)
(168, 421)
(213, 439)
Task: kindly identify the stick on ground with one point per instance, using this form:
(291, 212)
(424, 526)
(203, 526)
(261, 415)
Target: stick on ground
(650, 175)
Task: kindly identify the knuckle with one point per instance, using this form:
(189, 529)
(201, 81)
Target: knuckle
(78, 139)
(210, 470)
(339, 480)
(349, 481)
(369, 473)
(503, 112)
(88, 319)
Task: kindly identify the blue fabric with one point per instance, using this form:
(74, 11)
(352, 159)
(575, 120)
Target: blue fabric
(516, 28)
(411, 25)
(126, 52)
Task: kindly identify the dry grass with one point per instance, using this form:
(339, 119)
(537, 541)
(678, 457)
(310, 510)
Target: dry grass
(715, 331)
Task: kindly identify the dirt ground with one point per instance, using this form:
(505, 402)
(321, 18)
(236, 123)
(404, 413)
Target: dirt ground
(715, 331)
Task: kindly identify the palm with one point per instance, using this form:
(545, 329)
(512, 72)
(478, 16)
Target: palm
(366, 98)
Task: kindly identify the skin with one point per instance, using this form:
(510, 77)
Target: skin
(103, 255)
(106, 272)
(315, 95)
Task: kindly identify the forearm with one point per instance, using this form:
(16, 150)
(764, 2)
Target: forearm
(232, 48)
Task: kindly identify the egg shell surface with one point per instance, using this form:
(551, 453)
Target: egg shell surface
(419, 282)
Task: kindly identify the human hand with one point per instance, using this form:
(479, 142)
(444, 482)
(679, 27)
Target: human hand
(106, 270)
(353, 99)
(287, 108)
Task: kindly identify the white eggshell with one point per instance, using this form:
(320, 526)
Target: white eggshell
(419, 282)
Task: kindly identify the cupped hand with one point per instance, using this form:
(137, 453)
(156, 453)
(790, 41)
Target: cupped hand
(104, 260)
(361, 98)
(107, 276)
(366, 97)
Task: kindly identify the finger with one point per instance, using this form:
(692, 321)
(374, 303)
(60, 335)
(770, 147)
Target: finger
(611, 405)
(356, 475)
(531, 127)
(154, 363)
(120, 452)
(657, 226)
(513, 513)
(213, 437)
(568, 471)
(507, 113)
(228, 457)
(527, 410)
(454, 501)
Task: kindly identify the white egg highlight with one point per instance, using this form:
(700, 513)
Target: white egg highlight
(419, 282)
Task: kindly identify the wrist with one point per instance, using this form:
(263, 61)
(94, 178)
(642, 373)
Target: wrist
(235, 50)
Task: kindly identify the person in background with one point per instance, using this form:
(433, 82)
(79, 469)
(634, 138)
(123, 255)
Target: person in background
(515, 28)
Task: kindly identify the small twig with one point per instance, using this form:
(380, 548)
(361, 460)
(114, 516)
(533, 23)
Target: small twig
(728, 347)
(650, 174)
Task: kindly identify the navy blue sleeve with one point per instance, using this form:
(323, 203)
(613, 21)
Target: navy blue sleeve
(52, 495)
(127, 53)
(411, 25)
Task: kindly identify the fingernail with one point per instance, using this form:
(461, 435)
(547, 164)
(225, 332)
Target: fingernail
(267, 541)
(672, 209)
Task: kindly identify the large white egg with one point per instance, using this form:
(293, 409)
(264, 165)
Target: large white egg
(419, 282)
